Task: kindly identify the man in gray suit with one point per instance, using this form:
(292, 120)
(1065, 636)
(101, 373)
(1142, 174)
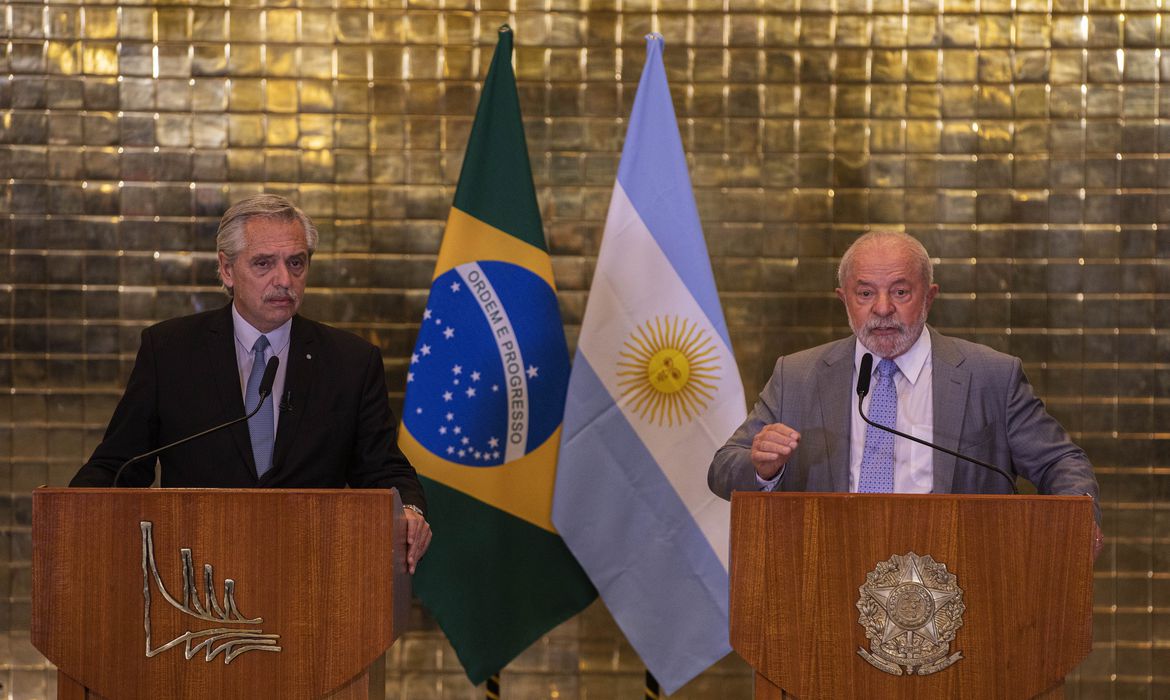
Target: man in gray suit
(804, 433)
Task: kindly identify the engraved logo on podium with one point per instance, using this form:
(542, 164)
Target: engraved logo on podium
(229, 641)
(911, 608)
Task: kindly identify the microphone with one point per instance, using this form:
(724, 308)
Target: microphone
(265, 390)
(865, 375)
(268, 379)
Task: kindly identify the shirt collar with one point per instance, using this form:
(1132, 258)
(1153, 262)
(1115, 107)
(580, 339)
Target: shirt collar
(246, 334)
(910, 363)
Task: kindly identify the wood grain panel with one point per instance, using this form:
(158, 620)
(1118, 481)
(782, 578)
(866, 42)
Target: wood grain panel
(325, 569)
(1024, 564)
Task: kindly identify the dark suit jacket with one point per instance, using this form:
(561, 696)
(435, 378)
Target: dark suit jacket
(983, 405)
(336, 429)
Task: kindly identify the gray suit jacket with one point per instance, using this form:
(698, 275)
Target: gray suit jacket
(984, 407)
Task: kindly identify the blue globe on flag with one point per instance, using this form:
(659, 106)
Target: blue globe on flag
(486, 387)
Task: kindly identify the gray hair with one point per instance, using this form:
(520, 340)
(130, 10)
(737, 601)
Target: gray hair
(230, 239)
(895, 238)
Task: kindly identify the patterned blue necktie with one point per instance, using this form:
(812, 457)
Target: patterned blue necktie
(260, 425)
(877, 461)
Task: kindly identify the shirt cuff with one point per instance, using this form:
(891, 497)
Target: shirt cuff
(769, 484)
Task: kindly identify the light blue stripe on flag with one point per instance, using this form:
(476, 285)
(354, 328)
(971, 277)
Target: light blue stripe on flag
(662, 583)
(653, 172)
(654, 391)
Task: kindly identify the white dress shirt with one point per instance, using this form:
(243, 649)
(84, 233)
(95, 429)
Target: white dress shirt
(914, 381)
(278, 341)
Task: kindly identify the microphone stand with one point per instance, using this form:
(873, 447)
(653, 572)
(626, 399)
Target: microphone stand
(264, 393)
(863, 390)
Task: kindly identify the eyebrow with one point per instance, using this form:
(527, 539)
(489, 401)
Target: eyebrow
(867, 283)
(268, 256)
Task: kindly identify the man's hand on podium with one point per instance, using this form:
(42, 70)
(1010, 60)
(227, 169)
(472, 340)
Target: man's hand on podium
(1098, 541)
(418, 537)
(771, 448)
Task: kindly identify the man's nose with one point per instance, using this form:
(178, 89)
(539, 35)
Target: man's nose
(281, 275)
(883, 305)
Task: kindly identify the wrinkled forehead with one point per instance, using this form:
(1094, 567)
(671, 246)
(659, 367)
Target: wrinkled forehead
(888, 260)
(275, 236)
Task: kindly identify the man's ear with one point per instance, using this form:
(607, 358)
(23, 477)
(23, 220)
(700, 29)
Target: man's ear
(225, 270)
(931, 293)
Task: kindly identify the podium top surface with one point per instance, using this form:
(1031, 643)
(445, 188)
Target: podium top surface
(52, 490)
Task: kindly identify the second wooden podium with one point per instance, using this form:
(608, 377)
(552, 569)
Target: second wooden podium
(207, 593)
(899, 596)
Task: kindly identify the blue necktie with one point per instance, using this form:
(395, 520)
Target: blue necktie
(260, 425)
(877, 461)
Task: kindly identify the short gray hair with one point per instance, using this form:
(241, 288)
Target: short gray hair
(230, 240)
(896, 238)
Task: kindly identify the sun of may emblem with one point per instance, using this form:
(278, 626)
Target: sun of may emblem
(667, 371)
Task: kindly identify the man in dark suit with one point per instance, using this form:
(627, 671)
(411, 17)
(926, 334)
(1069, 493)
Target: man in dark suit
(327, 422)
(804, 433)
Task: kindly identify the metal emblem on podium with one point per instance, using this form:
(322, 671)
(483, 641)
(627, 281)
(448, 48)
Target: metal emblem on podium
(231, 641)
(911, 607)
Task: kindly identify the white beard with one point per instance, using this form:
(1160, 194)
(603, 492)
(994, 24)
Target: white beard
(893, 345)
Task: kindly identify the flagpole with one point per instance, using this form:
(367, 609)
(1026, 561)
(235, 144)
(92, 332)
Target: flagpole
(492, 687)
(652, 690)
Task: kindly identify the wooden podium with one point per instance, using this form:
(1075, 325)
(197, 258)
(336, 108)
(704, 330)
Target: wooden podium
(208, 593)
(1022, 621)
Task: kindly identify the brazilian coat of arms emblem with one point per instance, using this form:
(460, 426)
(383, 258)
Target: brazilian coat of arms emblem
(911, 607)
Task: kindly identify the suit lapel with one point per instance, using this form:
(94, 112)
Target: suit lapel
(298, 385)
(225, 371)
(950, 386)
(834, 377)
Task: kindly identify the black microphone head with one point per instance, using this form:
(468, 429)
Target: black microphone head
(270, 376)
(864, 375)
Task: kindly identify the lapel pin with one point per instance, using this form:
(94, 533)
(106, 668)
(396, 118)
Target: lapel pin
(308, 356)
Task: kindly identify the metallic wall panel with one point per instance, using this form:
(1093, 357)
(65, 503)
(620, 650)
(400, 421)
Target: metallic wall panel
(1024, 141)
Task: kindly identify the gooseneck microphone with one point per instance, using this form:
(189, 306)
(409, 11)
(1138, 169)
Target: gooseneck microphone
(865, 374)
(264, 391)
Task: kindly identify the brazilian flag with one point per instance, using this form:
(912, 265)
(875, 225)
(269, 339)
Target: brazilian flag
(485, 396)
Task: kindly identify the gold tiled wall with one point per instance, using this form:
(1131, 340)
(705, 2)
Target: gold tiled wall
(1024, 141)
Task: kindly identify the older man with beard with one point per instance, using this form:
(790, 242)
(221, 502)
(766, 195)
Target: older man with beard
(805, 434)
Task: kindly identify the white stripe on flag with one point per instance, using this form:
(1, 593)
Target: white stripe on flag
(633, 284)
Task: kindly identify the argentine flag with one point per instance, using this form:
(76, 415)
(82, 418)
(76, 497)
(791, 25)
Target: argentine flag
(654, 391)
